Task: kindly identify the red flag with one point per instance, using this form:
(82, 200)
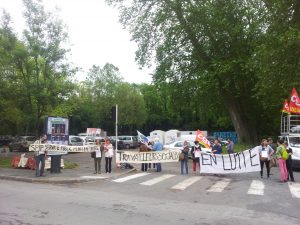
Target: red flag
(294, 102)
(286, 107)
(202, 139)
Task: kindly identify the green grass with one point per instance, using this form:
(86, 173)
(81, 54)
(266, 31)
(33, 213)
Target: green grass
(238, 147)
(5, 162)
(70, 165)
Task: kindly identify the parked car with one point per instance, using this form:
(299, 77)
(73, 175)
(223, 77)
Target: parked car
(75, 140)
(21, 143)
(178, 145)
(129, 141)
(5, 140)
(113, 142)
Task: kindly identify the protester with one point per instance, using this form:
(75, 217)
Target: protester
(184, 161)
(265, 152)
(40, 157)
(97, 158)
(272, 144)
(289, 162)
(230, 146)
(157, 147)
(274, 147)
(217, 147)
(109, 152)
(281, 161)
(196, 154)
(144, 148)
(150, 145)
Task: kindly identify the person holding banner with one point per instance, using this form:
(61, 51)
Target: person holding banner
(144, 148)
(196, 154)
(184, 161)
(109, 152)
(265, 152)
(157, 147)
(40, 158)
(97, 158)
(217, 147)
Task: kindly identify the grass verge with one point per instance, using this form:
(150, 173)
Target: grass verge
(5, 162)
(70, 165)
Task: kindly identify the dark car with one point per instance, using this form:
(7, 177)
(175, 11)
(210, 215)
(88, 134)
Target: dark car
(113, 142)
(21, 143)
(5, 140)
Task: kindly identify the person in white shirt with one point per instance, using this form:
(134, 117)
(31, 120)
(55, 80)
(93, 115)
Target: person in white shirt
(98, 157)
(265, 152)
(109, 152)
(40, 158)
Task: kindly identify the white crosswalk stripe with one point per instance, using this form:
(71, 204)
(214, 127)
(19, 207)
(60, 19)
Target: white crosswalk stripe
(157, 180)
(294, 189)
(186, 183)
(219, 186)
(257, 187)
(131, 177)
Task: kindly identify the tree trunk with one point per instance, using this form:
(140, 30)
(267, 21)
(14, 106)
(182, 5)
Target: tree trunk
(244, 127)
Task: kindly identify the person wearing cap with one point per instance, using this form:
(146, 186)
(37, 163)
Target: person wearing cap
(157, 147)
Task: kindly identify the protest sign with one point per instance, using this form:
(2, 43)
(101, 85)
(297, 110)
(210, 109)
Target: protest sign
(62, 148)
(242, 162)
(148, 157)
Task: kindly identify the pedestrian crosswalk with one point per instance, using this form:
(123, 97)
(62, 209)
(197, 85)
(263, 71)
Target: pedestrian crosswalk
(186, 183)
(157, 179)
(256, 188)
(218, 185)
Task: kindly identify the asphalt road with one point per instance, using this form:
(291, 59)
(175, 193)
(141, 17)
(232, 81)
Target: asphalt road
(154, 198)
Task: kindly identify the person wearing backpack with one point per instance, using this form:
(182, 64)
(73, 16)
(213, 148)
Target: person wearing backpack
(184, 160)
(282, 156)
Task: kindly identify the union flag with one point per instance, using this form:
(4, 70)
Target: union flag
(202, 139)
(286, 107)
(294, 102)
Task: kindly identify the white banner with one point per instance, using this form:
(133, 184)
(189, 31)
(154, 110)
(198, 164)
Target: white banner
(62, 148)
(148, 157)
(242, 162)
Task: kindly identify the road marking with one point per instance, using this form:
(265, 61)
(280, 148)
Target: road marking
(131, 177)
(157, 180)
(219, 186)
(257, 187)
(93, 177)
(294, 189)
(186, 183)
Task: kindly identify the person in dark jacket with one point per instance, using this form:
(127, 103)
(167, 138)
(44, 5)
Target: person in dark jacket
(196, 153)
(289, 163)
(144, 148)
(184, 162)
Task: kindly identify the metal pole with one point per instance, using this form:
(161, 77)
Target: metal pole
(116, 127)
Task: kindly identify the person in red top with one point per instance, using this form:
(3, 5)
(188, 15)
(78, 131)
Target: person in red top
(196, 154)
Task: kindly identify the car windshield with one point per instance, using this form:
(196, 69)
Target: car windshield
(294, 141)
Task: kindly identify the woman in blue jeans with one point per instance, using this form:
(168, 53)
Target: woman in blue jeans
(184, 162)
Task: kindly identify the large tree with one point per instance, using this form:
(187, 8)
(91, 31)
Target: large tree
(209, 47)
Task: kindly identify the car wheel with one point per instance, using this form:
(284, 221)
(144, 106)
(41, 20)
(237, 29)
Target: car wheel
(127, 146)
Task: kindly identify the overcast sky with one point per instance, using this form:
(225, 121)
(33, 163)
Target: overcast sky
(96, 36)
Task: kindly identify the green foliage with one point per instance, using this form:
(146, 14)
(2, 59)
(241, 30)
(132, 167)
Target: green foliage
(70, 165)
(5, 162)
